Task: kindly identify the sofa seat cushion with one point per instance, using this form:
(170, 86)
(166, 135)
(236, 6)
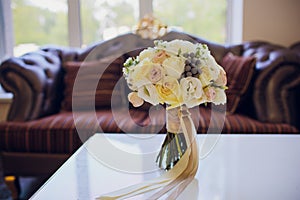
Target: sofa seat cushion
(58, 134)
(238, 123)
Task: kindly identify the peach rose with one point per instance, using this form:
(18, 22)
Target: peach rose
(160, 57)
(156, 73)
(222, 79)
(135, 99)
(210, 93)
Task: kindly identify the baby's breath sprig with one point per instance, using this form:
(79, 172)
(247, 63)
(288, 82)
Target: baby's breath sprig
(179, 52)
(213, 84)
(130, 62)
(160, 43)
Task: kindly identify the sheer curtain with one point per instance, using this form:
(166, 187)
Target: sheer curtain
(2, 38)
(2, 33)
(6, 33)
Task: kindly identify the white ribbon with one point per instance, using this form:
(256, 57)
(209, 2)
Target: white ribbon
(173, 181)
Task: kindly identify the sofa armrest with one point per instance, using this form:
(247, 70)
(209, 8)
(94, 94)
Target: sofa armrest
(276, 87)
(34, 79)
(291, 96)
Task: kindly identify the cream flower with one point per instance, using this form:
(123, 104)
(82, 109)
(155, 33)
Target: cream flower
(213, 67)
(191, 91)
(220, 97)
(156, 75)
(205, 77)
(145, 73)
(174, 66)
(148, 53)
(175, 46)
(135, 99)
(149, 94)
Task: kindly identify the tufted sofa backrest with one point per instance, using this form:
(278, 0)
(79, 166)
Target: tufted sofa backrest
(40, 73)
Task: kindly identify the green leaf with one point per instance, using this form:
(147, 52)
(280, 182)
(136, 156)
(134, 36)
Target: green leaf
(179, 52)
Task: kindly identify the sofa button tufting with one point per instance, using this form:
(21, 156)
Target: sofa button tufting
(48, 73)
(28, 62)
(49, 60)
(263, 57)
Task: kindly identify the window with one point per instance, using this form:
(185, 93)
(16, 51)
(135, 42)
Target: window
(206, 18)
(104, 19)
(40, 22)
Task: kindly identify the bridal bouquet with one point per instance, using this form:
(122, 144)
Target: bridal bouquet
(175, 73)
(180, 75)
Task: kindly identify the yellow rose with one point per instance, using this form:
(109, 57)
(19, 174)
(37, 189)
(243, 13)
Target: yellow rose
(169, 91)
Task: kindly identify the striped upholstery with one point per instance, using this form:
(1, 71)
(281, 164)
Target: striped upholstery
(57, 133)
(239, 72)
(239, 123)
(95, 81)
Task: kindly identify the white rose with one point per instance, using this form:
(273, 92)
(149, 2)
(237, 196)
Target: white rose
(184, 46)
(149, 94)
(175, 46)
(192, 91)
(213, 67)
(220, 97)
(138, 76)
(205, 77)
(174, 66)
(147, 53)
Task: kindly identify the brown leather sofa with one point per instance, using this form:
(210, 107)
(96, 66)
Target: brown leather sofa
(41, 131)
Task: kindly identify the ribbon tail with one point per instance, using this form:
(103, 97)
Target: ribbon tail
(131, 191)
(175, 179)
(148, 185)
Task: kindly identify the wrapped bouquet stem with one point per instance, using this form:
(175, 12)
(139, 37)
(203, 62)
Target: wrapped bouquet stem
(174, 145)
(180, 75)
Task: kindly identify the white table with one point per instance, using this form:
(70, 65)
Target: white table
(240, 167)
